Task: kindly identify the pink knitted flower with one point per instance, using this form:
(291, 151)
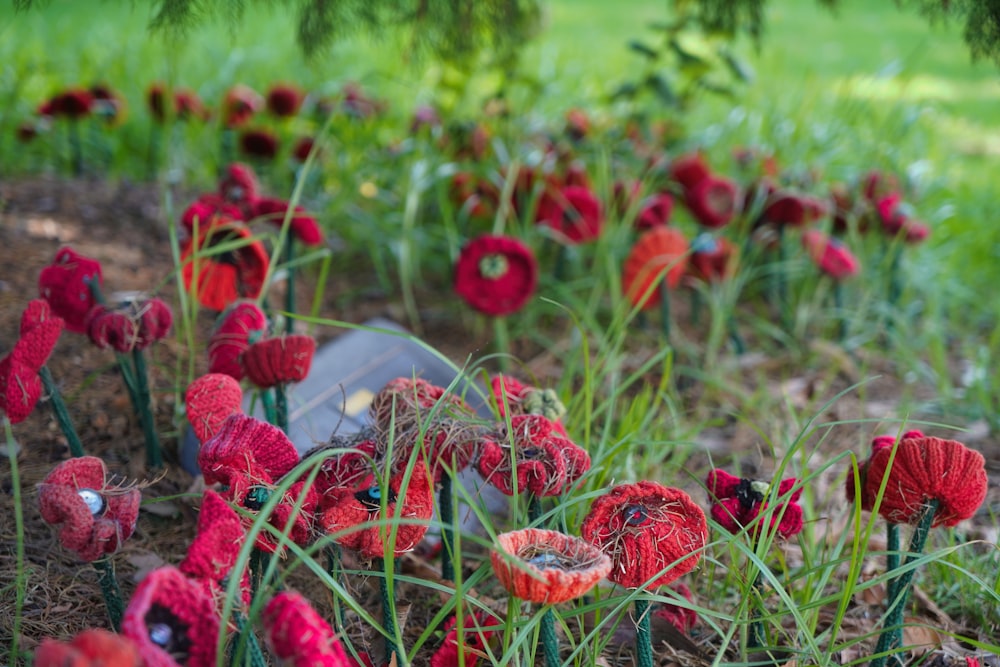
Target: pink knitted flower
(173, 620)
(94, 515)
(299, 636)
(737, 503)
(213, 553)
(65, 284)
(210, 401)
(240, 323)
(90, 648)
(830, 255)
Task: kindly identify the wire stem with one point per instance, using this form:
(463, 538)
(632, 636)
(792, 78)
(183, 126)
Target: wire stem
(111, 591)
(60, 411)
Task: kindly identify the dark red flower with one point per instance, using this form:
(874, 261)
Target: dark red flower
(216, 547)
(925, 469)
(21, 388)
(689, 170)
(891, 213)
(478, 197)
(208, 211)
(173, 620)
(350, 469)
(299, 636)
(477, 630)
(284, 99)
(737, 503)
(785, 208)
(260, 144)
(712, 259)
(133, 325)
(682, 618)
(403, 523)
(576, 175)
(302, 148)
(90, 648)
(239, 185)
(713, 201)
(535, 455)
(65, 284)
(239, 105)
(577, 124)
(878, 443)
(496, 275)
(27, 131)
(189, 106)
(281, 360)
(574, 214)
(228, 275)
(73, 103)
(546, 566)
(653, 534)
(302, 226)
(94, 515)
(877, 184)
(915, 232)
(156, 99)
(241, 322)
(358, 104)
(845, 209)
(657, 260)
(210, 401)
(655, 212)
(108, 103)
(830, 255)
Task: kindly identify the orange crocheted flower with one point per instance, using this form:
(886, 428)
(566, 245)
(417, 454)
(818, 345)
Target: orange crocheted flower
(546, 566)
(925, 469)
(227, 275)
(657, 261)
(654, 534)
(90, 648)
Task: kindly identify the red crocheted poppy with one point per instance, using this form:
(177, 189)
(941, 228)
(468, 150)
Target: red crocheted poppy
(224, 276)
(240, 104)
(409, 399)
(830, 255)
(343, 510)
(259, 144)
(173, 620)
(249, 444)
(156, 100)
(216, 546)
(299, 636)
(785, 208)
(210, 401)
(737, 503)
(134, 325)
(284, 99)
(90, 648)
(689, 170)
(65, 284)
(546, 566)
(281, 360)
(477, 630)
(523, 399)
(239, 185)
(303, 148)
(189, 105)
(712, 258)
(302, 227)
(236, 326)
(94, 515)
(73, 103)
(659, 256)
(927, 469)
(207, 211)
(713, 201)
(682, 618)
(39, 333)
(656, 212)
(349, 469)
(574, 213)
(646, 528)
(20, 388)
(878, 443)
(478, 197)
(496, 275)
(534, 453)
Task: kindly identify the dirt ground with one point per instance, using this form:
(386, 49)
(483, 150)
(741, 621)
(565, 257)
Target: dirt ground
(123, 226)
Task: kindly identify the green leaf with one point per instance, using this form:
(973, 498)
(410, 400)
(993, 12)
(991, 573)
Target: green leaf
(661, 89)
(645, 50)
(740, 69)
(626, 91)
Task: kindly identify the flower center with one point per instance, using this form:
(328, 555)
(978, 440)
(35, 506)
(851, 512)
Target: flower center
(751, 492)
(531, 452)
(93, 500)
(635, 515)
(371, 498)
(167, 632)
(544, 402)
(255, 498)
(544, 560)
(493, 266)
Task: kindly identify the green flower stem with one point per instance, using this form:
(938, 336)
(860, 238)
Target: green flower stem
(756, 639)
(780, 285)
(112, 593)
(21, 580)
(388, 612)
(281, 407)
(61, 413)
(153, 158)
(550, 643)
(562, 260)
(695, 307)
(154, 451)
(448, 555)
(534, 509)
(838, 307)
(246, 643)
(892, 627)
(259, 561)
(665, 309)
(270, 412)
(289, 284)
(502, 342)
(75, 148)
(333, 561)
(739, 345)
(892, 557)
(643, 638)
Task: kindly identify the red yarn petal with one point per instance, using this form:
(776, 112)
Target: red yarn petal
(658, 257)
(240, 322)
(217, 543)
(279, 360)
(65, 285)
(247, 442)
(210, 401)
(299, 636)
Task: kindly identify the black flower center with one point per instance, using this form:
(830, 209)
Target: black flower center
(371, 498)
(255, 498)
(635, 515)
(750, 492)
(166, 631)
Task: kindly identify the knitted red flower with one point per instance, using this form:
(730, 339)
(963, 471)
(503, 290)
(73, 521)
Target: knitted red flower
(302, 148)
(574, 213)
(213, 553)
(210, 400)
(737, 503)
(658, 258)
(785, 208)
(20, 388)
(924, 469)
(90, 648)
(227, 275)
(281, 360)
(39, 333)
(299, 636)
(208, 211)
(682, 618)
(239, 185)
(284, 99)
(65, 284)
(546, 566)
(523, 399)
(713, 201)
(259, 144)
(301, 226)
(878, 443)
(689, 170)
(477, 631)
(240, 323)
(189, 105)
(830, 255)
(712, 258)
(108, 103)
(535, 454)
(655, 212)
(344, 510)
(496, 275)
(478, 197)
(74, 103)
(94, 515)
(348, 469)
(652, 533)
(240, 104)
(173, 620)
(133, 325)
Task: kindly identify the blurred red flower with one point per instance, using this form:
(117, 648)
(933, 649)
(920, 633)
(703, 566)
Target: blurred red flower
(535, 454)
(284, 99)
(496, 275)
(224, 276)
(65, 284)
(280, 360)
(737, 503)
(259, 144)
(573, 213)
(830, 255)
(302, 226)
(658, 260)
(241, 322)
(133, 325)
(299, 636)
(239, 105)
(90, 648)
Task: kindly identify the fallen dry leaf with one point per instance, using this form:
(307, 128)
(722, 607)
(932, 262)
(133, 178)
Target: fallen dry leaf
(920, 638)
